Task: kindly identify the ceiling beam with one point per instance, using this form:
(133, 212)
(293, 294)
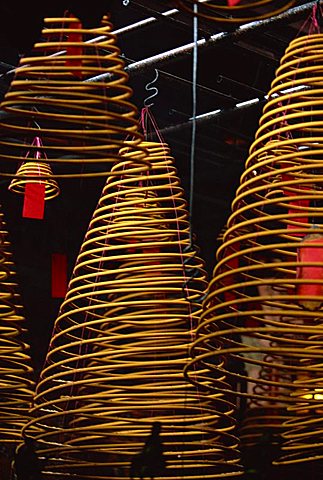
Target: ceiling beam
(177, 53)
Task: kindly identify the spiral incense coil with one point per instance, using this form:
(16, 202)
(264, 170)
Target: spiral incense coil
(242, 12)
(121, 340)
(38, 167)
(32, 169)
(16, 384)
(83, 119)
(264, 305)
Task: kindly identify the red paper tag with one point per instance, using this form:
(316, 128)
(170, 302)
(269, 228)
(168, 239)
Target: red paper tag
(59, 275)
(232, 3)
(75, 49)
(34, 201)
(311, 253)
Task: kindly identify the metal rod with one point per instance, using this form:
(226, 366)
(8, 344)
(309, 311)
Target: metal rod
(209, 116)
(206, 117)
(143, 23)
(157, 60)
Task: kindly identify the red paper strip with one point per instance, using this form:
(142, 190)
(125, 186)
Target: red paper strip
(311, 253)
(232, 3)
(75, 49)
(59, 275)
(34, 201)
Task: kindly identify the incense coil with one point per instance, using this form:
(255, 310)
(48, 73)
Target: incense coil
(245, 11)
(264, 304)
(121, 340)
(16, 374)
(32, 169)
(58, 93)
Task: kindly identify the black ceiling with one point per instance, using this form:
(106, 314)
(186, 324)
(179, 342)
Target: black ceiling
(234, 70)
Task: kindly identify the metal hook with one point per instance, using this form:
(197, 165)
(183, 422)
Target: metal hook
(149, 87)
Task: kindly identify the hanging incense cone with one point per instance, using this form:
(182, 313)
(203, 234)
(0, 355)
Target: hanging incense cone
(36, 171)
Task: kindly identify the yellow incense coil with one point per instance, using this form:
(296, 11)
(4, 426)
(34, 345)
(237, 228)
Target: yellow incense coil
(82, 123)
(264, 305)
(16, 374)
(121, 340)
(244, 11)
(35, 170)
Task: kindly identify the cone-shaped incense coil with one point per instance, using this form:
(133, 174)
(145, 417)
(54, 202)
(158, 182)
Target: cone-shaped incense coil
(16, 383)
(121, 341)
(236, 11)
(82, 120)
(36, 171)
(264, 306)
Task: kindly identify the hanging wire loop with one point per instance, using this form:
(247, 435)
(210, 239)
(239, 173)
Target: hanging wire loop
(150, 87)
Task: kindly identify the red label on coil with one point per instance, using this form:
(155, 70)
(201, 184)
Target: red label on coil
(312, 253)
(34, 201)
(75, 50)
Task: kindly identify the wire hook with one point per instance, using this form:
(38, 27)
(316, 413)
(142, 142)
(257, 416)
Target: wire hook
(151, 88)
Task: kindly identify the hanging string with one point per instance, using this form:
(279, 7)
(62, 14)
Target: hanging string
(193, 136)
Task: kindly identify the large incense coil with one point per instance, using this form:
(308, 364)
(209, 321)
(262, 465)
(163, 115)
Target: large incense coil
(121, 341)
(16, 374)
(244, 11)
(83, 119)
(264, 305)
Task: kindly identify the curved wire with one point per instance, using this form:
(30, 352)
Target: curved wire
(262, 319)
(150, 87)
(248, 11)
(83, 124)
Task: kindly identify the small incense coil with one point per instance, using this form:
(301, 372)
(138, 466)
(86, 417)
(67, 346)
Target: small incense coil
(244, 11)
(16, 374)
(35, 171)
(121, 341)
(262, 309)
(83, 119)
